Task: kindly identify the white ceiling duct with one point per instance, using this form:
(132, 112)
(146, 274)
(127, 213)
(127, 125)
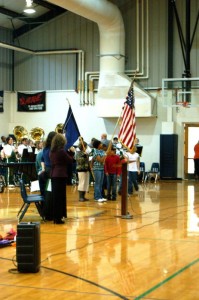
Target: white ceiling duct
(113, 83)
(111, 29)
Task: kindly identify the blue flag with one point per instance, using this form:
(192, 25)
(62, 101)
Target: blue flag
(71, 130)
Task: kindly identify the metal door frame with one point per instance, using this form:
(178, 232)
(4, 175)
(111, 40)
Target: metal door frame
(186, 158)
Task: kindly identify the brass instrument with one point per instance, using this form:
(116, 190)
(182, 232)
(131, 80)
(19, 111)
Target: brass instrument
(37, 134)
(20, 132)
(59, 128)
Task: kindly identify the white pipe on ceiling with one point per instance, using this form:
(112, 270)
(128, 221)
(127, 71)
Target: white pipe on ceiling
(111, 27)
(113, 83)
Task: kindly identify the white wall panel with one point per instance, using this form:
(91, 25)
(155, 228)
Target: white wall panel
(6, 63)
(59, 71)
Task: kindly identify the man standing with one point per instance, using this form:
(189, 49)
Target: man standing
(104, 140)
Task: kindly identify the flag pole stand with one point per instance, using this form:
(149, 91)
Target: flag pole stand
(124, 213)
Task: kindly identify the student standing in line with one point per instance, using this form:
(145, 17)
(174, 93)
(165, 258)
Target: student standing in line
(112, 169)
(98, 160)
(83, 170)
(133, 169)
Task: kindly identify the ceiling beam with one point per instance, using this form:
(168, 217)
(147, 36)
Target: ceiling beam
(33, 23)
(10, 13)
(47, 5)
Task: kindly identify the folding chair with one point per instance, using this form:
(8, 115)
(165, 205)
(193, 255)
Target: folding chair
(153, 173)
(141, 176)
(37, 199)
(2, 183)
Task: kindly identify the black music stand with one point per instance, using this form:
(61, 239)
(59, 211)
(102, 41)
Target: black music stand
(25, 155)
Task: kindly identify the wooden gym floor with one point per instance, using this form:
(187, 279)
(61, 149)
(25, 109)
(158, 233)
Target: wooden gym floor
(97, 254)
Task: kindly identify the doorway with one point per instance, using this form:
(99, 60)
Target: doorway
(191, 137)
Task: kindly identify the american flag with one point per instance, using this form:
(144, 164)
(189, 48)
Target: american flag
(127, 133)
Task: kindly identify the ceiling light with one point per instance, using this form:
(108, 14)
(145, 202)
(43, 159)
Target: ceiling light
(29, 9)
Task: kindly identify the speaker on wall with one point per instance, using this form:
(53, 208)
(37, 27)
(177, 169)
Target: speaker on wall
(168, 156)
(28, 251)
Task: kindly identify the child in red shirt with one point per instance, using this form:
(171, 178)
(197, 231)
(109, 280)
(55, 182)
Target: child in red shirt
(112, 168)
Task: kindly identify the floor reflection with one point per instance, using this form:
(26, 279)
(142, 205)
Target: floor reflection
(193, 211)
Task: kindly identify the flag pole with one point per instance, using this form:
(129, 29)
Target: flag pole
(118, 120)
(124, 201)
(116, 124)
(129, 90)
(68, 101)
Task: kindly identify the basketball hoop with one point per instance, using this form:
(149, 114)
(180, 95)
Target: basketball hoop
(184, 104)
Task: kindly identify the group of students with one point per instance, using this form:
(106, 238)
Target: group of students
(105, 164)
(10, 152)
(99, 160)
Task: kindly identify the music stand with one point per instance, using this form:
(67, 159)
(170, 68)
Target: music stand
(25, 155)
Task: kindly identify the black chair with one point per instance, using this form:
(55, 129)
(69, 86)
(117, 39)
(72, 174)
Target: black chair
(2, 183)
(154, 173)
(37, 199)
(141, 176)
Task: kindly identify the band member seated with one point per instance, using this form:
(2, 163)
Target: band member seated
(8, 154)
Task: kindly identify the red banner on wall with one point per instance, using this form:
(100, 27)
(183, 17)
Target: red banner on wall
(31, 102)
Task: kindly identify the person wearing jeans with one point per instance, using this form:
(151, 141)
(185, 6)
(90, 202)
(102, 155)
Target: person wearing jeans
(112, 170)
(97, 163)
(133, 169)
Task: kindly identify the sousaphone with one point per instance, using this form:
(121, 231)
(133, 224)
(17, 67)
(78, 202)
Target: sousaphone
(20, 132)
(37, 134)
(59, 128)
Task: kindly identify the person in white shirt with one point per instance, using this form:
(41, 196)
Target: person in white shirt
(9, 150)
(31, 146)
(133, 169)
(22, 146)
